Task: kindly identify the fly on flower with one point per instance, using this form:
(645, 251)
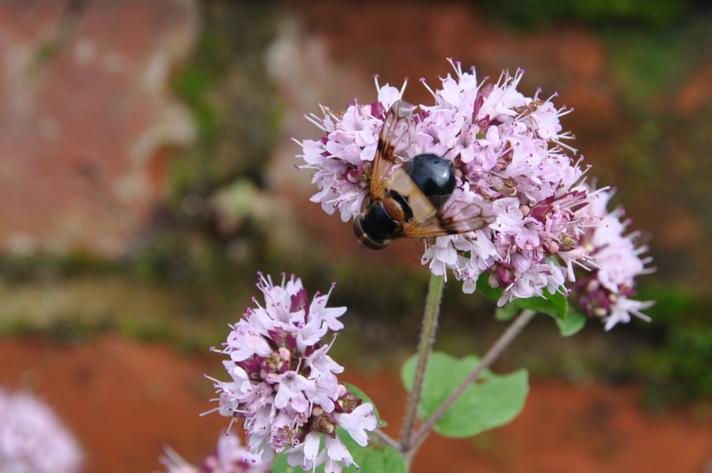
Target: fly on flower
(485, 176)
(409, 197)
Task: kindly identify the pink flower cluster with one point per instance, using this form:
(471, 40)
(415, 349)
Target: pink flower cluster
(616, 261)
(284, 384)
(342, 157)
(229, 457)
(511, 159)
(32, 438)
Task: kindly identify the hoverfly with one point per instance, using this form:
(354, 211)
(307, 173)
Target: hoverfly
(411, 200)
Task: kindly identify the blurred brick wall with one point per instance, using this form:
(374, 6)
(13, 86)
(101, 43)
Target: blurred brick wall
(85, 113)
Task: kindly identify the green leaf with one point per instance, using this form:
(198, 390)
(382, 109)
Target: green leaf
(373, 458)
(572, 324)
(486, 290)
(280, 465)
(556, 305)
(376, 458)
(507, 312)
(491, 402)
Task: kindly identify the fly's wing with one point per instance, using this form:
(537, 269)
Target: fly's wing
(396, 134)
(451, 219)
(428, 221)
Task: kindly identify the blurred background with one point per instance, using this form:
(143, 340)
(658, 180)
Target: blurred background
(147, 174)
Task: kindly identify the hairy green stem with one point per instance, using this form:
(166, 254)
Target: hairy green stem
(425, 347)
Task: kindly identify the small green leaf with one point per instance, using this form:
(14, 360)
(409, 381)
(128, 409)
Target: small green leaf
(491, 402)
(485, 289)
(373, 458)
(376, 458)
(280, 465)
(556, 305)
(572, 324)
(507, 312)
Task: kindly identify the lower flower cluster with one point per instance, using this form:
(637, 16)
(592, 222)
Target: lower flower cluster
(283, 382)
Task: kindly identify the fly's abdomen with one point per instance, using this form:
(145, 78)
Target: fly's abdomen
(433, 175)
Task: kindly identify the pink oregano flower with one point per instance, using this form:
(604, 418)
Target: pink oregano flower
(283, 383)
(512, 161)
(32, 438)
(229, 457)
(616, 260)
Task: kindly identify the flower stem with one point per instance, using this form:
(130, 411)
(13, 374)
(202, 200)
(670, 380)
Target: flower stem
(490, 357)
(425, 347)
(386, 439)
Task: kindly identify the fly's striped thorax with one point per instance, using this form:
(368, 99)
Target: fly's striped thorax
(420, 205)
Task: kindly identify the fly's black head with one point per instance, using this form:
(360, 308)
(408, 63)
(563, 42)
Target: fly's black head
(375, 228)
(364, 238)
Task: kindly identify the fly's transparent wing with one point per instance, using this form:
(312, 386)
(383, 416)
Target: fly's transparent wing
(452, 219)
(396, 136)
